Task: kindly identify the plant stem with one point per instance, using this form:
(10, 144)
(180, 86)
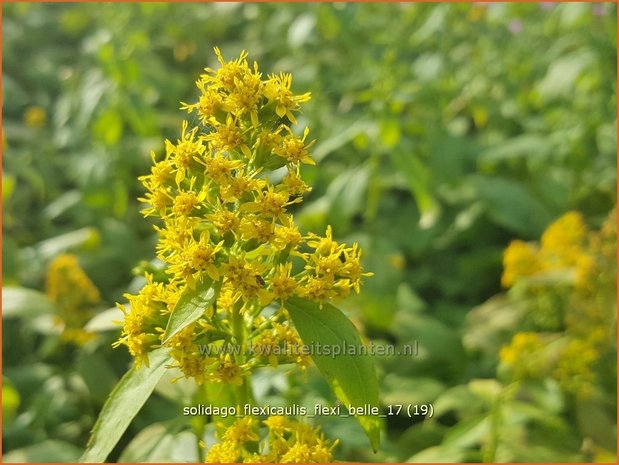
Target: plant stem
(243, 391)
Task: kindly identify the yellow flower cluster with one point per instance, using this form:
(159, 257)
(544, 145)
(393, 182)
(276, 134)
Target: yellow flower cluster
(568, 281)
(226, 223)
(287, 441)
(519, 259)
(74, 294)
(523, 355)
(563, 246)
(280, 344)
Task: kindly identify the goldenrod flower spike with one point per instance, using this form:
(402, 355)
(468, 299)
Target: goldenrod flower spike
(224, 223)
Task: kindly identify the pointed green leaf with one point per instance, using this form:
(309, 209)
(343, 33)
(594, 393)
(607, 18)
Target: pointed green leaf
(191, 306)
(417, 177)
(107, 320)
(123, 404)
(352, 377)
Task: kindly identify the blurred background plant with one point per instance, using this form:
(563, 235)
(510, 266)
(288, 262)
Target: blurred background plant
(451, 140)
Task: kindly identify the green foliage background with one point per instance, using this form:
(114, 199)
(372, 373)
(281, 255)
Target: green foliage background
(443, 132)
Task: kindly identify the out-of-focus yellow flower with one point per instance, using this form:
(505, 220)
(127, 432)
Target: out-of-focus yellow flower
(397, 261)
(575, 296)
(563, 239)
(75, 296)
(520, 259)
(523, 356)
(35, 117)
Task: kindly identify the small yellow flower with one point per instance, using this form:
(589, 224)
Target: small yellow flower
(187, 201)
(242, 431)
(278, 90)
(229, 71)
(294, 150)
(227, 371)
(298, 453)
(35, 117)
(255, 228)
(239, 187)
(277, 423)
(221, 169)
(246, 95)
(319, 289)
(228, 137)
(208, 106)
(269, 203)
(294, 185)
(183, 154)
(223, 452)
(282, 284)
(224, 220)
(286, 236)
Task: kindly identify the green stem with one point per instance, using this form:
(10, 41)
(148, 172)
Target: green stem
(199, 423)
(199, 448)
(496, 420)
(243, 391)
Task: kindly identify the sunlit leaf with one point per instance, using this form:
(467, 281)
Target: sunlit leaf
(123, 404)
(351, 377)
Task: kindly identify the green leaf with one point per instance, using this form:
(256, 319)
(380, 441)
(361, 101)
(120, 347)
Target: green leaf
(107, 320)
(404, 390)
(468, 433)
(161, 442)
(108, 127)
(417, 177)
(8, 186)
(346, 195)
(48, 451)
(524, 146)
(97, 373)
(122, 406)
(351, 377)
(84, 238)
(390, 132)
(342, 136)
(20, 302)
(596, 422)
(511, 205)
(191, 306)
(438, 454)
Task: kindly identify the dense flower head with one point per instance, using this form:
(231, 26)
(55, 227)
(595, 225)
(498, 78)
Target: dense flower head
(286, 441)
(224, 222)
